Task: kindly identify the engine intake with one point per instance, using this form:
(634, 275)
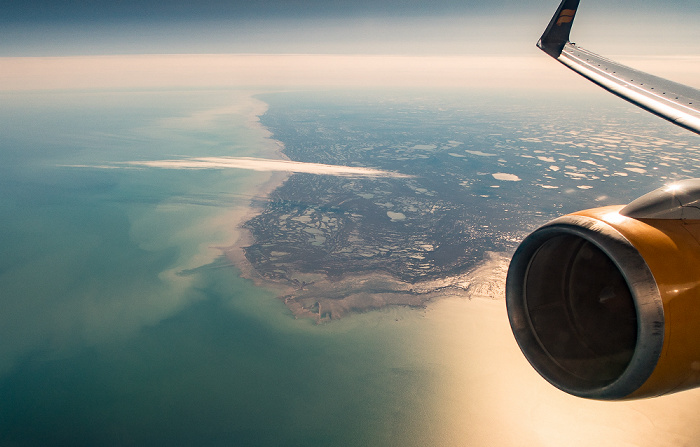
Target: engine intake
(592, 297)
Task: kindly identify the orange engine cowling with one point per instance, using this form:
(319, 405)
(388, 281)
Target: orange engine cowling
(605, 303)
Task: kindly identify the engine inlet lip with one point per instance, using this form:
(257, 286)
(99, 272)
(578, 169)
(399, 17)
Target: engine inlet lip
(639, 279)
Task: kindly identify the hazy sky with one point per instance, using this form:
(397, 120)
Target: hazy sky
(450, 43)
(77, 11)
(72, 27)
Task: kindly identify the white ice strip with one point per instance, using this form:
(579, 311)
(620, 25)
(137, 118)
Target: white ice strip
(260, 164)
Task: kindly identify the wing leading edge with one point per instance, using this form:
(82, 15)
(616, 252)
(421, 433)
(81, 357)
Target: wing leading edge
(675, 102)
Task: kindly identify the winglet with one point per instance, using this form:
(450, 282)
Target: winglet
(557, 33)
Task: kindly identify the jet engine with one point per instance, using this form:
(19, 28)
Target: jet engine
(605, 303)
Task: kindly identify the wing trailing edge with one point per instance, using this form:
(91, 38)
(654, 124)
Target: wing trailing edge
(674, 102)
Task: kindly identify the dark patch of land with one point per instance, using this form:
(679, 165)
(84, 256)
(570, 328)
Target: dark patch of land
(441, 222)
(339, 226)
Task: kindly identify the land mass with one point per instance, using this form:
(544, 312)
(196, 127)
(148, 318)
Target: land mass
(334, 244)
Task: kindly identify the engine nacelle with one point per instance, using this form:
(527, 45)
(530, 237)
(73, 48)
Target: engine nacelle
(605, 303)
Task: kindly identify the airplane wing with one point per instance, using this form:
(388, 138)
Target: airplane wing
(675, 102)
(604, 302)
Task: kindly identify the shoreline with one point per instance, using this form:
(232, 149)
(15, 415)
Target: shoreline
(273, 149)
(326, 299)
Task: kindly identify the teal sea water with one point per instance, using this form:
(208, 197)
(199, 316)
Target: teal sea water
(121, 326)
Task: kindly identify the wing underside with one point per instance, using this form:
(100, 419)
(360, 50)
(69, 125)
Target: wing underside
(675, 102)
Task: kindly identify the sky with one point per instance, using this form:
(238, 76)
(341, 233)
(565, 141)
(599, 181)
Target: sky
(76, 11)
(303, 43)
(71, 27)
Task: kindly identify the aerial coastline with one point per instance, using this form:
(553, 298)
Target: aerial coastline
(317, 261)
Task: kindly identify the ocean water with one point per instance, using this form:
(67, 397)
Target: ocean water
(121, 323)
